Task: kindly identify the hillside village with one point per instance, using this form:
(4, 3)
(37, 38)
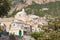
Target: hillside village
(23, 22)
(30, 20)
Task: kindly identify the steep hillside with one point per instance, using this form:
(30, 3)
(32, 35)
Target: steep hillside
(52, 8)
(37, 9)
(19, 4)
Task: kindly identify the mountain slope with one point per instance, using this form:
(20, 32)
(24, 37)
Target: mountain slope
(53, 9)
(34, 8)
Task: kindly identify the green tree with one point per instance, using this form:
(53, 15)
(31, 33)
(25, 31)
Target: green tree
(36, 35)
(4, 7)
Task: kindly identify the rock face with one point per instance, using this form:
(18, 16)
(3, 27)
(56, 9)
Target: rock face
(14, 2)
(40, 1)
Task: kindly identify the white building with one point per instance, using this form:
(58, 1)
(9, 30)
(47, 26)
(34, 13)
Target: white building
(21, 15)
(31, 19)
(19, 25)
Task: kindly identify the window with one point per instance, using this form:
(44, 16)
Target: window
(25, 27)
(13, 24)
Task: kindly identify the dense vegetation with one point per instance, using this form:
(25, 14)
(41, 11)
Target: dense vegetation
(51, 31)
(4, 7)
(53, 9)
(53, 35)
